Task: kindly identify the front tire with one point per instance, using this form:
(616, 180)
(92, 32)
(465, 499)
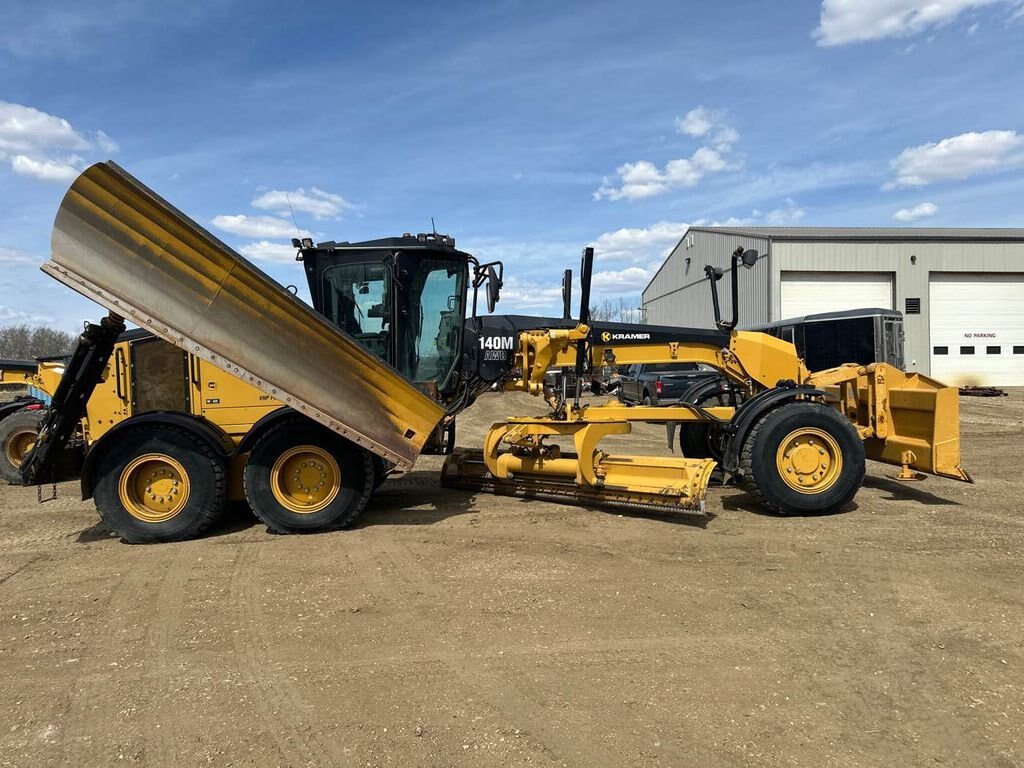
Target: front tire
(803, 458)
(301, 477)
(160, 482)
(18, 433)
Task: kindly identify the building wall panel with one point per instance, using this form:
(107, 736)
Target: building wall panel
(679, 294)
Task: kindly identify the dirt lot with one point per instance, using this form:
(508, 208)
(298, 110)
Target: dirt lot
(452, 630)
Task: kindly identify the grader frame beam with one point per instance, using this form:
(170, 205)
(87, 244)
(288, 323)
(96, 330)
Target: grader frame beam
(908, 420)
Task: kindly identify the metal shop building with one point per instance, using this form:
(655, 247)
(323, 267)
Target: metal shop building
(961, 290)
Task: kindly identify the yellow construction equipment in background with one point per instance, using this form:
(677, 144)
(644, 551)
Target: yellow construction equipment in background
(376, 373)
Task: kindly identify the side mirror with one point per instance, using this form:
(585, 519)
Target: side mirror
(749, 258)
(493, 288)
(567, 294)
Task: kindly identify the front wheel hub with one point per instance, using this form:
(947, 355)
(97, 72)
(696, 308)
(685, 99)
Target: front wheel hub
(809, 460)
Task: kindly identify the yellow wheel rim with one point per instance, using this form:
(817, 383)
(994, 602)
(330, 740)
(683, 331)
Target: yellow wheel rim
(305, 479)
(19, 444)
(809, 460)
(154, 488)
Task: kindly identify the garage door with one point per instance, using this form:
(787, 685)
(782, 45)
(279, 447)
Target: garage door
(977, 328)
(808, 293)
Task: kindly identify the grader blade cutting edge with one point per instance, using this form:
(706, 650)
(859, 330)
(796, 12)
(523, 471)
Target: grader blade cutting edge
(118, 243)
(675, 491)
(516, 460)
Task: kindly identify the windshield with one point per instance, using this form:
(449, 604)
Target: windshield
(428, 349)
(423, 338)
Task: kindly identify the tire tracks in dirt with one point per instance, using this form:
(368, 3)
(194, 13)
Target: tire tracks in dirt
(278, 700)
(163, 639)
(575, 744)
(96, 687)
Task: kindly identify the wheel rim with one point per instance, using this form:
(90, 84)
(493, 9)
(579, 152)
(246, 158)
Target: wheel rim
(809, 460)
(305, 479)
(19, 444)
(154, 488)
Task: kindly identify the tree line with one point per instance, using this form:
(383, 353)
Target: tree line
(26, 342)
(618, 310)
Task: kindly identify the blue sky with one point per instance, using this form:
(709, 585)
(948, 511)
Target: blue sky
(526, 129)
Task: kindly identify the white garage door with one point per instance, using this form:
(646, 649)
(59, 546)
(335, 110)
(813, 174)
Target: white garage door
(977, 328)
(808, 293)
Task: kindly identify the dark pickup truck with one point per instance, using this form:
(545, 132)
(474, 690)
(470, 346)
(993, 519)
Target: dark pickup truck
(659, 383)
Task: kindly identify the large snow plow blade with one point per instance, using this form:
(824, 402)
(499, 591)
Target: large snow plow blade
(909, 419)
(120, 244)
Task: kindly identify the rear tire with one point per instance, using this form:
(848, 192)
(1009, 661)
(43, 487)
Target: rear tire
(704, 440)
(803, 458)
(301, 477)
(18, 433)
(647, 399)
(160, 483)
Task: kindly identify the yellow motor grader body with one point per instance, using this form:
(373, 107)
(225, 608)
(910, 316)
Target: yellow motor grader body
(302, 411)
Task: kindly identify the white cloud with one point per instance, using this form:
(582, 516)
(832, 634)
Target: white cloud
(316, 202)
(264, 250)
(645, 179)
(527, 296)
(55, 169)
(919, 211)
(622, 281)
(105, 143)
(784, 216)
(634, 245)
(17, 256)
(24, 129)
(11, 315)
(42, 145)
(258, 226)
(624, 261)
(788, 215)
(958, 157)
(855, 21)
(698, 121)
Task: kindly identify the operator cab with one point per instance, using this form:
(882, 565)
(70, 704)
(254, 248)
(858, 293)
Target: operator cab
(402, 298)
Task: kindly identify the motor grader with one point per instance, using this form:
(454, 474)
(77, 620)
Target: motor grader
(20, 418)
(376, 373)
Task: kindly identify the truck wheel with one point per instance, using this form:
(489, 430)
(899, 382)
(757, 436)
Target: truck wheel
(647, 398)
(18, 433)
(160, 483)
(301, 477)
(803, 458)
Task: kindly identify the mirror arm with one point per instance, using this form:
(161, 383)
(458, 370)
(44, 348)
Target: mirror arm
(713, 277)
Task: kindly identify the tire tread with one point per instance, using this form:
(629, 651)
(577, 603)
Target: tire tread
(354, 512)
(209, 515)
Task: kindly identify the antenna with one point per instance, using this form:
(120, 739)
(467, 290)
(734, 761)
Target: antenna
(291, 210)
(433, 226)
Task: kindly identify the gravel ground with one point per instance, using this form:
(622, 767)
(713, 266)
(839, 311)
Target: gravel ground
(450, 630)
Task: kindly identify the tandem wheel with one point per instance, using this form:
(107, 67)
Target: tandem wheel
(301, 477)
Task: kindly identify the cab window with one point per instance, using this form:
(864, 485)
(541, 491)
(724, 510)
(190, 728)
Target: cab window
(357, 300)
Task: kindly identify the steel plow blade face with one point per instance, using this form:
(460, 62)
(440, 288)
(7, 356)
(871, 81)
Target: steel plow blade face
(118, 243)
